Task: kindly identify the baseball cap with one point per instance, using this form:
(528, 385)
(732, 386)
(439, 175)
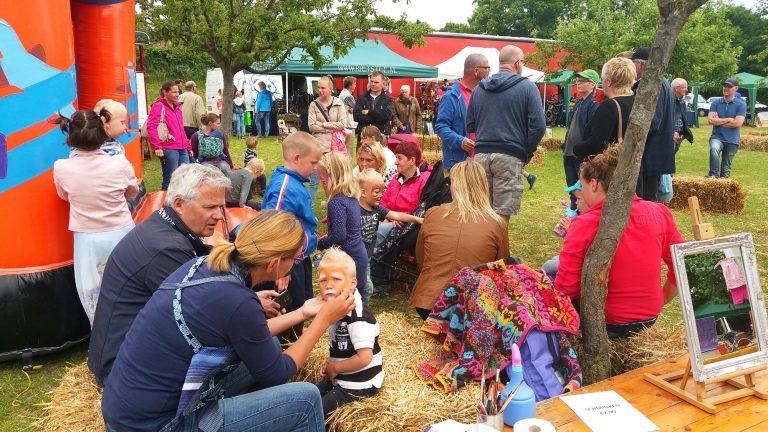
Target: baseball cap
(641, 54)
(589, 74)
(731, 82)
(574, 187)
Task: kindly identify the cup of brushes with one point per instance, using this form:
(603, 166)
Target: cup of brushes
(508, 404)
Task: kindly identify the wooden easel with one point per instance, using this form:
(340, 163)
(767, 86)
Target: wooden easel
(698, 397)
(701, 231)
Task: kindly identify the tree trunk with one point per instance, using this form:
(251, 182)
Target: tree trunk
(618, 202)
(228, 94)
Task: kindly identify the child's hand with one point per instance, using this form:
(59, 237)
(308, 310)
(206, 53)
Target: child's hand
(330, 369)
(159, 153)
(324, 370)
(397, 224)
(190, 153)
(419, 220)
(564, 223)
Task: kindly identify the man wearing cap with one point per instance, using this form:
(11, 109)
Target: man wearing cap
(506, 114)
(585, 106)
(659, 153)
(680, 89)
(450, 125)
(192, 109)
(726, 116)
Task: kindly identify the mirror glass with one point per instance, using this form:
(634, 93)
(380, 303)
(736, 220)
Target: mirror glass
(722, 305)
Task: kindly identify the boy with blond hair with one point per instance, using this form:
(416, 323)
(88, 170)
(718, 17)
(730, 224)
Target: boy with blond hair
(371, 213)
(286, 191)
(354, 367)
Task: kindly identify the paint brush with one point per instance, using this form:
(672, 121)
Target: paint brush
(482, 387)
(510, 396)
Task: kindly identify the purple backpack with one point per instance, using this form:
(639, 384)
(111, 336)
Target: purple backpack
(547, 359)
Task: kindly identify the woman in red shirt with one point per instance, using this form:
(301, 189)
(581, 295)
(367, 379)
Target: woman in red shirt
(635, 296)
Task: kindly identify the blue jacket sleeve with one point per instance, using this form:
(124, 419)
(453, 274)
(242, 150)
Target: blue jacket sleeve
(443, 125)
(536, 122)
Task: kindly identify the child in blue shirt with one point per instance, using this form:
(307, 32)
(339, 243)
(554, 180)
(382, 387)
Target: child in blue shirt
(286, 191)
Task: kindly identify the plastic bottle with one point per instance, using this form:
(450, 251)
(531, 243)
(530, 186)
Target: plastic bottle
(523, 403)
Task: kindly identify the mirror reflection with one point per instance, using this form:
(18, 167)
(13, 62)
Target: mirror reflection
(717, 283)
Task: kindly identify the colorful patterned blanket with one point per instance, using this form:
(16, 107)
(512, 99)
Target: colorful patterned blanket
(482, 313)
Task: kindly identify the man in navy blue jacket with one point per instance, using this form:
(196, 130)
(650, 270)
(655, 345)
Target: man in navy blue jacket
(149, 253)
(450, 125)
(586, 86)
(505, 111)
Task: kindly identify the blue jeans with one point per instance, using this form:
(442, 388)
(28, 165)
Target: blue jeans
(171, 160)
(716, 149)
(265, 116)
(289, 407)
(239, 124)
(314, 184)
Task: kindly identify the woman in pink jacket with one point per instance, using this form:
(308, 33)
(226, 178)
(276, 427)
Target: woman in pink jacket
(175, 149)
(97, 187)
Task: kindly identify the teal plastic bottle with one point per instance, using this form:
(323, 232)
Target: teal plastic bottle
(523, 403)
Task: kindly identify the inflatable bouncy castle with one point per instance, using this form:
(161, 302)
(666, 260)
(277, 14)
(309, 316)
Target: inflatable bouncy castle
(56, 56)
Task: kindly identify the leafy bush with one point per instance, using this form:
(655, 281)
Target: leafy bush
(173, 62)
(704, 280)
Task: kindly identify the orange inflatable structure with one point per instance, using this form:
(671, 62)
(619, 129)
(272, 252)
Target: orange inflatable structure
(56, 56)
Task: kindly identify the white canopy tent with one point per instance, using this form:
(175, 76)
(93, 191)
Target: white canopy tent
(454, 67)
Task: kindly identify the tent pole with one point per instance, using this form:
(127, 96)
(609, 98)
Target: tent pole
(286, 92)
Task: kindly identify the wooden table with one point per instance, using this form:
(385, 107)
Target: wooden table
(668, 412)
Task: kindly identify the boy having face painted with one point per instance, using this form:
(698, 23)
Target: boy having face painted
(354, 368)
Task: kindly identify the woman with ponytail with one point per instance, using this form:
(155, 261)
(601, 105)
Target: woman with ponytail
(97, 188)
(205, 329)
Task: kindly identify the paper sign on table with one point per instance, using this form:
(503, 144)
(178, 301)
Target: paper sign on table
(608, 412)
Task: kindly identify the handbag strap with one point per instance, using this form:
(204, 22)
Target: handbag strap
(162, 113)
(621, 134)
(322, 110)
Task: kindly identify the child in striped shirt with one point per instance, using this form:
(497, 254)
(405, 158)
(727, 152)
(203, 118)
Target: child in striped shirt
(354, 368)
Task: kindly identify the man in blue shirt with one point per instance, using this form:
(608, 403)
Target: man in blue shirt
(726, 116)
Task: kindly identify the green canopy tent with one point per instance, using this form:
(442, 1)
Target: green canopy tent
(751, 82)
(365, 57)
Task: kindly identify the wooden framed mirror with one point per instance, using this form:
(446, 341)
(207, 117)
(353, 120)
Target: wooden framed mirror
(723, 308)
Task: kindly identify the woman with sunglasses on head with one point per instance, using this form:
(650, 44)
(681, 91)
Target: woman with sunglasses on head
(635, 297)
(202, 353)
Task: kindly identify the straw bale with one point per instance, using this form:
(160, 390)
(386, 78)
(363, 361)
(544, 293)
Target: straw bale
(432, 156)
(757, 132)
(429, 142)
(645, 347)
(551, 144)
(754, 142)
(75, 404)
(404, 403)
(716, 195)
(538, 157)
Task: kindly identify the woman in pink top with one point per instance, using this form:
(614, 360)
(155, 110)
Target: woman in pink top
(175, 149)
(97, 187)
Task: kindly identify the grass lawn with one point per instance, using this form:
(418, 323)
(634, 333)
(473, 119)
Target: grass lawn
(531, 239)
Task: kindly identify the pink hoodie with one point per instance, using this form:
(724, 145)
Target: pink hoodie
(177, 139)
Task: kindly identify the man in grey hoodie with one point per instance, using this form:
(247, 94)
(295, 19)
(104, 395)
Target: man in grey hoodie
(506, 115)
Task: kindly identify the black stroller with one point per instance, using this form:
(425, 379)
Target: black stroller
(394, 260)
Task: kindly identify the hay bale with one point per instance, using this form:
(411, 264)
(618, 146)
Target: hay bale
(75, 404)
(432, 156)
(405, 403)
(716, 195)
(538, 157)
(646, 347)
(429, 142)
(551, 144)
(754, 142)
(757, 132)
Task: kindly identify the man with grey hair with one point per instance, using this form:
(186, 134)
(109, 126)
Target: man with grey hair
(192, 109)
(450, 126)
(171, 236)
(680, 89)
(506, 114)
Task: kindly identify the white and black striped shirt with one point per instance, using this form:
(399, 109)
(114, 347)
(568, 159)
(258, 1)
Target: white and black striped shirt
(357, 330)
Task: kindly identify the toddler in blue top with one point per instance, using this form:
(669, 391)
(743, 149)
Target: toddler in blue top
(344, 229)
